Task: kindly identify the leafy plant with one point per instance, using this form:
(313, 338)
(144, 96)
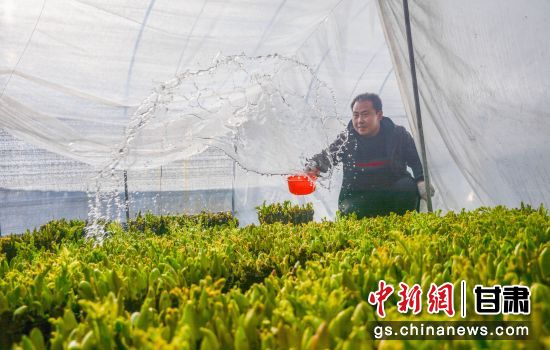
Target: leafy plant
(273, 286)
(47, 237)
(285, 213)
(163, 224)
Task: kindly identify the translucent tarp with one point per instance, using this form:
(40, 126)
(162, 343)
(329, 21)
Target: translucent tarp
(484, 83)
(140, 85)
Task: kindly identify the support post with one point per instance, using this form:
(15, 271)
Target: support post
(417, 103)
(233, 181)
(159, 206)
(126, 199)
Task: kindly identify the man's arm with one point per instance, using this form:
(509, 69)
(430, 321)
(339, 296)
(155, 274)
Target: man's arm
(329, 157)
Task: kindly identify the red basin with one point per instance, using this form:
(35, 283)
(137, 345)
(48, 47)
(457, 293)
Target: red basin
(301, 184)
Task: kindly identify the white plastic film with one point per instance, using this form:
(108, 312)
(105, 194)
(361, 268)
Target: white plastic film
(147, 86)
(484, 84)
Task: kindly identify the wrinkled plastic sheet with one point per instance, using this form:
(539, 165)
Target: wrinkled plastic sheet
(117, 85)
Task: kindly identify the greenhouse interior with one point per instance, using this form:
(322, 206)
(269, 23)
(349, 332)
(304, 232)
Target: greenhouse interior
(147, 149)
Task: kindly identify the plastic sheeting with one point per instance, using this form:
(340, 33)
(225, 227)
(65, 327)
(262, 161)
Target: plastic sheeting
(141, 84)
(76, 73)
(135, 85)
(484, 83)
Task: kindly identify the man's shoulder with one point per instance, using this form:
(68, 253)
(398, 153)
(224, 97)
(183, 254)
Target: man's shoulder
(390, 126)
(399, 129)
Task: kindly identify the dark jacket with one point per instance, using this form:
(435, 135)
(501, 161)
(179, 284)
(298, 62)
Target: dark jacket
(349, 147)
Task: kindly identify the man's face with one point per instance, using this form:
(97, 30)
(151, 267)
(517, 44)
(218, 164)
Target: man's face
(366, 121)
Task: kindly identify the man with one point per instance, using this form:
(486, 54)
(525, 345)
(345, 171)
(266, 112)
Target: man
(375, 154)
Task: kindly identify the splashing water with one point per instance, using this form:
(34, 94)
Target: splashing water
(267, 113)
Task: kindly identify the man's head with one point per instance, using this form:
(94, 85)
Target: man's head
(367, 113)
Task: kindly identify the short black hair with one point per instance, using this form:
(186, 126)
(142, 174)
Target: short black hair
(374, 98)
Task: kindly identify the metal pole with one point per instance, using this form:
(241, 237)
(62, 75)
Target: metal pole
(126, 200)
(159, 207)
(233, 182)
(417, 103)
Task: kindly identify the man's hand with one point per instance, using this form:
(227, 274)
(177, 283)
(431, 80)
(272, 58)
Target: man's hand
(423, 191)
(312, 170)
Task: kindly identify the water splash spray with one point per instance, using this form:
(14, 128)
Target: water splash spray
(267, 113)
